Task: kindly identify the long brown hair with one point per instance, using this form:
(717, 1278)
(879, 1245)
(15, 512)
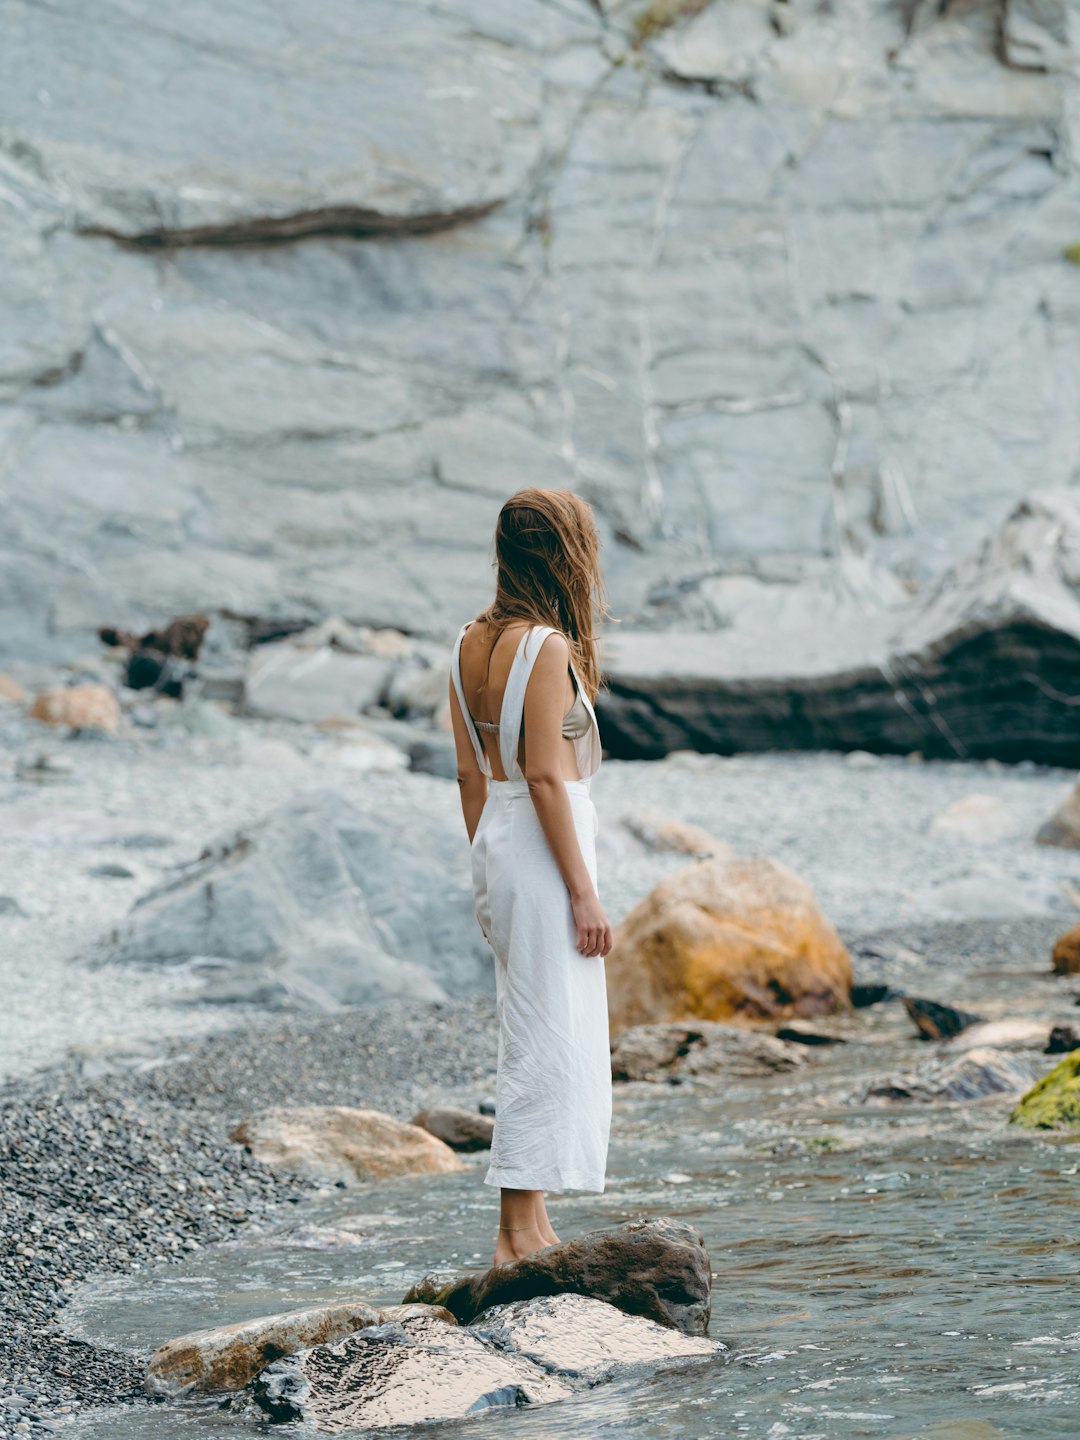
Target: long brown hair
(547, 559)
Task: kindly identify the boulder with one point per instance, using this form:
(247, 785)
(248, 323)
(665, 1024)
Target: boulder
(408, 1372)
(460, 1129)
(975, 1075)
(286, 681)
(655, 1268)
(228, 1357)
(980, 666)
(1054, 1103)
(1066, 953)
(1063, 827)
(699, 1051)
(584, 1339)
(726, 939)
(938, 1022)
(82, 707)
(978, 819)
(321, 904)
(1063, 1040)
(335, 1144)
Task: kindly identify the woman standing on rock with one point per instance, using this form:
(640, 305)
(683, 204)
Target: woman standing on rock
(528, 670)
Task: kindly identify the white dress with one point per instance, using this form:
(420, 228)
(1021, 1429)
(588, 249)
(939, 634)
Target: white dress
(553, 1088)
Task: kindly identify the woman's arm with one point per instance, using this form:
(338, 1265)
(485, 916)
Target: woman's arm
(472, 782)
(545, 701)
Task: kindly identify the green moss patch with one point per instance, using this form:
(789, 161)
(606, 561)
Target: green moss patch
(1072, 253)
(1054, 1103)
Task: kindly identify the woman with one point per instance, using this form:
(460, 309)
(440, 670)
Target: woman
(523, 679)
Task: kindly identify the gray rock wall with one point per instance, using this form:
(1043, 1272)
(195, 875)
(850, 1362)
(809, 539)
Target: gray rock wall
(293, 296)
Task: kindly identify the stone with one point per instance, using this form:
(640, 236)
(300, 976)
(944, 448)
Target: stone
(663, 833)
(580, 1338)
(81, 707)
(909, 678)
(227, 1358)
(334, 1144)
(1063, 827)
(11, 691)
(322, 896)
(462, 1130)
(1054, 1103)
(1065, 956)
(980, 819)
(285, 681)
(726, 939)
(1013, 1034)
(408, 1372)
(803, 1034)
(1063, 1040)
(698, 1051)
(935, 1021)
(976, 1075)
(658, 1269)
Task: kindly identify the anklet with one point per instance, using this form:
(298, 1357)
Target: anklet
(517, 1227)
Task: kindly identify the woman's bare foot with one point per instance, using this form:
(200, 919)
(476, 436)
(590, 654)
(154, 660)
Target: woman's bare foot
(543, 1224)
(517, 1244)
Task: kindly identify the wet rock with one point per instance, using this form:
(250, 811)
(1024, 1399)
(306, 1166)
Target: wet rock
(408, 1372)
(804, 1035)
(463, 1130)
(979, 819)
(1015, 1034)
(1063, 827)
(182, 637)
(581, 1338)
(1054, 1103)
(81, 707)
(228, 1357)
(1066, 953)
(665, 1052)
(1063, 1040)
(662, 833)
(935, 1021)
(872, 993)
(913, 677)
(976, 1075)
(291, 682)
(655, 1268)
(336, 1143)
(726, 939)
(317, 895)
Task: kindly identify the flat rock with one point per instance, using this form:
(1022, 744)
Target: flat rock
(664, 833)
(976, 1075)
(408, 1372)
(1054, 1103)
(287, 682)
(658, 1269)
(1014, 1034)
(584, 1339)
(338, 1144)
(726, 939)
(228, 1357)
(322, 901)
(934, 1021)
(698, 1051)
(463, 1130)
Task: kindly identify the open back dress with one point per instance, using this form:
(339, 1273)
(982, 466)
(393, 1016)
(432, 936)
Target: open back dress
(553, 1086)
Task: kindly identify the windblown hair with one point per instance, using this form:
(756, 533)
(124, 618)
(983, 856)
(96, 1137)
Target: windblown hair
(547, 558)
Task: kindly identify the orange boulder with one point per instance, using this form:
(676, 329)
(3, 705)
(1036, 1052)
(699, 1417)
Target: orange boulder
(1066, 953)
(83, 707)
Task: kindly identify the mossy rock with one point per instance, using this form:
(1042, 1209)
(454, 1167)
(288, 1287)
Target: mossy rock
(1072, 253)
(1054, 1103)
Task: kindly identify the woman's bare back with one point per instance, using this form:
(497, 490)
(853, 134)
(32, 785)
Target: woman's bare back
(485, 700)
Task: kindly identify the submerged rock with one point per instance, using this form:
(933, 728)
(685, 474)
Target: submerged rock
(408, 1372)
(337, 1144)
(975, 1075)
(1066, 953)
(726, 939)
(935, 1021)
(582, 1338)
(460, 1129)
(82, 707)
(655, 1268)
(315, 901)
(666, 1052)
(1054, 1103)
(1063, 827)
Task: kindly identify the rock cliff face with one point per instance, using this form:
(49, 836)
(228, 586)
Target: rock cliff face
(293, 297)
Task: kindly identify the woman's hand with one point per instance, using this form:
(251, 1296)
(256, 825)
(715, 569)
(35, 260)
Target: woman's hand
(594, 935)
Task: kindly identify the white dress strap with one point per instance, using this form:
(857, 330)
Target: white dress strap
(513, 703)
(455, 671)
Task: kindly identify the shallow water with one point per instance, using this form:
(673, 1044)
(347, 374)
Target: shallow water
(878, 1271)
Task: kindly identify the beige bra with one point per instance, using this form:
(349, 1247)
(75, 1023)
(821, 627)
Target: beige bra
(576, 721)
